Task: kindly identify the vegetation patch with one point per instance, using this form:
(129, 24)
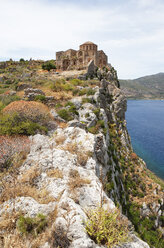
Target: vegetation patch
(34, 226)
(61, 85)
(24, 117)
(7, 99)
(76, 181)
(49, 66)
(106, 227)
(12, 124)
(55, 173)
(9, 146)
(40, 98)
(69, 112)
(65, 114)
(95, 129)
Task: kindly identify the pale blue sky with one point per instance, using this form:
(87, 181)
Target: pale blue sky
(131, 32)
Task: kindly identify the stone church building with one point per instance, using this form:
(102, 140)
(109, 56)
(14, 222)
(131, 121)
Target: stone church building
(72, 59)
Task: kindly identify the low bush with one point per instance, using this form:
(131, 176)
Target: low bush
(29, 111)
(24, 117)
(76, 82)
(97, 112)
(13, 124)
(40, 98)
(68, 112)
(106, 227)
(65, 114)
(49, 66)
(90, 92)
(61, 85)
(34, 226)
(88, 100)
(82, 92)
(9, 146)
(7, 99)
(145, 226)
(95, 129)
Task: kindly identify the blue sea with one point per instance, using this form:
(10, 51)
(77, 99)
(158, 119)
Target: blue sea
(145, 123)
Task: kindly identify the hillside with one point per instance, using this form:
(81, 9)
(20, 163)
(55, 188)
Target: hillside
(148, 87)
(68, 175)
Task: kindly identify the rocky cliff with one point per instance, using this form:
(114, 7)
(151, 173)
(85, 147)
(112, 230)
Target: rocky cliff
(83, 164)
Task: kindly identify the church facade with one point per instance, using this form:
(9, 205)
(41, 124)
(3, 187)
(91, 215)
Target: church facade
(73, 59)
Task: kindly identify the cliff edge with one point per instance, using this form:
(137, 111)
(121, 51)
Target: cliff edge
(85, 163)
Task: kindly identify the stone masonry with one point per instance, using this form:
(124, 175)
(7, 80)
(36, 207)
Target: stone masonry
(72, 59)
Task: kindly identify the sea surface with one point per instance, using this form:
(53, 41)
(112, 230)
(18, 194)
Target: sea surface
(145, 123)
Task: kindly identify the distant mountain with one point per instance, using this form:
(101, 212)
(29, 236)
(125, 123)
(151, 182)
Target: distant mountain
(148, 87)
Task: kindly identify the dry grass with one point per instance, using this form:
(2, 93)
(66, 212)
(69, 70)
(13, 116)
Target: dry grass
(30, 175)
(55, 173)
(59, 96)
(24, 186)
(76, 181)
(34, 111)
(82, 154)
(62, 124)
(11, 147)
(13, 239)
(71, 147)
(20, 93)
(8, 221)
(82, 158)
(59, 139)
(17, 189)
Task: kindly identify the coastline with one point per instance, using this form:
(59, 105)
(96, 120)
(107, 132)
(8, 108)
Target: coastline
(144, 125)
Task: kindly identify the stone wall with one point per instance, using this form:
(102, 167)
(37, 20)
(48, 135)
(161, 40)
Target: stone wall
(72, 59)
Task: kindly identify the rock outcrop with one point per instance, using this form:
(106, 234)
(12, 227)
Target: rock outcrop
(87, 163)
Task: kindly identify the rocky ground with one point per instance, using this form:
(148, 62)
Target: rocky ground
(84, 162)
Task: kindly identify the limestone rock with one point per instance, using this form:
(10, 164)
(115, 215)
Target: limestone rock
(23, 86)
(91, 68)
(76, 123)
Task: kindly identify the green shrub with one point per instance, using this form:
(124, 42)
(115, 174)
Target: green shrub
(7, 99)
(1, 106)
(87, 115)
(82, 92)
(75, 92)
(72, 109)
(90, 92)
(69, 104)
(65, 114)
(76, 82)
(101, 123)
(48, 66)
(106, 227)
(40, 98)
(94, 129)
(12, 124)
(34, 226)
(21, 60)
(145, 226)
(61, 85)
(87, 100)
(68, 112)
(97, 112)
(109, 186)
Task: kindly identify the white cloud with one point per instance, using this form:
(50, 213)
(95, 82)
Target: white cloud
(131, 32)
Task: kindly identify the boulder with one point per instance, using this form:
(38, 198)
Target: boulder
(23, 86)
(91, 68)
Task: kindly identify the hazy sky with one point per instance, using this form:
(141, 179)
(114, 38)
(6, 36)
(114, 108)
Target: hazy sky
(131, 32)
